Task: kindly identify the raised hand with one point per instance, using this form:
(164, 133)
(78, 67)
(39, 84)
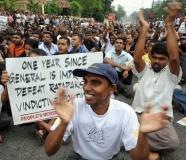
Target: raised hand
(172, 10)
(63, 106)
(150, 122)
(143, 22)
(5, 78)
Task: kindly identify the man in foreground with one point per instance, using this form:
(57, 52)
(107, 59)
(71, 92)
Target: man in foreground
(99, 125)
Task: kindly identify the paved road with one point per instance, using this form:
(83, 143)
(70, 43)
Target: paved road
(21, 143)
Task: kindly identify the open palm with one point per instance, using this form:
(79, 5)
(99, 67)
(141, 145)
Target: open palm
(172, 10)
(142, 19)
(151, 122)
(63, 106)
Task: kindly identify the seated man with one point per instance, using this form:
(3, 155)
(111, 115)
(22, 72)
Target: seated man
(77, 44)
(122, 62)
(157, 81)
(47, 45)
(98, 124)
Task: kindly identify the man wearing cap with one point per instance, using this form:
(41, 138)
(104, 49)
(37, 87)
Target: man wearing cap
(99, 125)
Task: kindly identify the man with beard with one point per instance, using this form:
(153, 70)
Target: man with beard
(90, 42)
(16, 48)
(47, 45)
(158, 80)
(98, 124)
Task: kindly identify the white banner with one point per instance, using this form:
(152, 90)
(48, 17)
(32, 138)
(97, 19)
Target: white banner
(35, 80)
(3, 23)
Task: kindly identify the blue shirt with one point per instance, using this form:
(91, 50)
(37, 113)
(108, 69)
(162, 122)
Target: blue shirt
(82, 49)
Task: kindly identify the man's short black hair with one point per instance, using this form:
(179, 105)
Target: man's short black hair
(160, 48)
(38, 33)
(67, 40)
(18, 34)
(79, 35)
(38, 52)
(33, 43)
(120, 38)
(48, 32)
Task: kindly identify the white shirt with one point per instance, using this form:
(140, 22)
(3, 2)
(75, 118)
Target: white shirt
(123, 59)
(108, 46)
(1, 91)
(156, 89)
(99, 137)
(53, 48)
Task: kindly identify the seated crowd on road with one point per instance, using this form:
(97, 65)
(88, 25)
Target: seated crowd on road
(152, 54)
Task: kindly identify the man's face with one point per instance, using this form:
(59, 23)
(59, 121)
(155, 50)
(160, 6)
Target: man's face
(97, 90)
(27, 49)
(112, 39)
(89, 37)
(183, 42)
(16, 39)
(47, 39)
(76, 41)
(62, 46)
(119, 45)
(129, 39)
(158, 62)
(36, 37)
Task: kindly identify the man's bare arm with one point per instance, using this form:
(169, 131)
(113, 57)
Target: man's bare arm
(65, 110)
(149, 122)
(172, 10)
(140, 45)
(142, 150)
(54, 139)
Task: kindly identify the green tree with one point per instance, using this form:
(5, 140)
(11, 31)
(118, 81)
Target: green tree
(34, 6)
(8, 4)
(52, 7)
(120, 13)
(75, 8)
(92, 8)
(107, 5)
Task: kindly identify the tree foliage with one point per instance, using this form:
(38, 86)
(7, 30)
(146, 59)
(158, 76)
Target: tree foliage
(84, 8)
(75, 8)
(120, 13)
(8, 4)
(34, 6)
(52, 7)
(92, 8)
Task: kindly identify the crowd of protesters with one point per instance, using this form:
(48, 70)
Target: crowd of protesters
(125, 48)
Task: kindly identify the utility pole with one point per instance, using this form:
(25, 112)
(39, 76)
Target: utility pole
(42, 2)
(152, 4)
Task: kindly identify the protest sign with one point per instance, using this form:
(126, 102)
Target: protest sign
(3, 22)
(35, 80)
